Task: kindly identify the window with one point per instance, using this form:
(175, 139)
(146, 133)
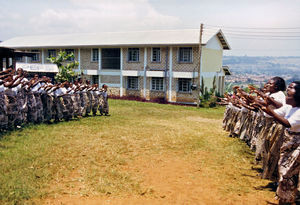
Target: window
(70, 51)
(95, 79)
(155, 54)
(185, 55)
(184, 84)
(110, 58)
(133, 54)
(36, 56)
(51, 53)
(19, 58)
(157, 84)
(132, 83)
(95, 54)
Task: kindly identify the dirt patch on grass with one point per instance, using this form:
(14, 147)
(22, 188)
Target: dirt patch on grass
(168, 179)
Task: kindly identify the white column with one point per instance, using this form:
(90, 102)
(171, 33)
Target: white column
(145, 74)
(99, 66)
(121, 75)
(43, 56)
(170, 73)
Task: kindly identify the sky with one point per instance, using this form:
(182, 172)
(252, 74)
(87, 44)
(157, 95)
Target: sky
(251, 27)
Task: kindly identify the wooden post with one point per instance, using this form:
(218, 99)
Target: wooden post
(7, 62)
(1, 63)
(199, 69)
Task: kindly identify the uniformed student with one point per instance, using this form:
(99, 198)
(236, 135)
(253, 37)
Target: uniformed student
(289, 163)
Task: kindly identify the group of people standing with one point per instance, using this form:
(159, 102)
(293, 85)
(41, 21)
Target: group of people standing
(268, 120)
(37, 100)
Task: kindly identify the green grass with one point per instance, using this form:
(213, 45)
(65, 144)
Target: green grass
(91, 153)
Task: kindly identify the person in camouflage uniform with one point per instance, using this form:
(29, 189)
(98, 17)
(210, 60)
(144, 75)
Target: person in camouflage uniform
(95, 92)
(289, 162)
(3, 107)
(103, 101)
(89, 99)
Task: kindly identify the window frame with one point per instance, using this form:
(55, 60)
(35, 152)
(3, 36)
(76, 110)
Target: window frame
(129, 85)
(49, 53)
(180, 88)
(130, 55)
(92, 55)
(68, 52)
(181, 58)
(37, 55)
(152, 54)
(19, 59)
(160, 87)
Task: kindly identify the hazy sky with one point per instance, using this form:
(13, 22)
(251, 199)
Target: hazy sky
(273, 26)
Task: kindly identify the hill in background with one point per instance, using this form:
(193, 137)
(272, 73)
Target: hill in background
(257, 70)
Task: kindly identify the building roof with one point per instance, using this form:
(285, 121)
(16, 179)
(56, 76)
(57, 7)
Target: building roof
(137, 38)
(9, 52)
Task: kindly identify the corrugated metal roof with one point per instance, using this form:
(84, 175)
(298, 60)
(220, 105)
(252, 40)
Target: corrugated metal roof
(158, 37)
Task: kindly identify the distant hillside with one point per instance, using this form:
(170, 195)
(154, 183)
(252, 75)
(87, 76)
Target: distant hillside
(259, 69)
(263, 65)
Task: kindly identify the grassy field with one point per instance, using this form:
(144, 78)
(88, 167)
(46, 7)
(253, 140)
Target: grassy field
(143, 153)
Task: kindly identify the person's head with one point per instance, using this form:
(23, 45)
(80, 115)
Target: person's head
(20, 71)
(88, 82)
(293, 94)
(25, 73)
(104, 86)
(276, 84)
(36, 76)
(66, 84)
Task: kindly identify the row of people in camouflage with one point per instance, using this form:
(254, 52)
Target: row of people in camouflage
(269, 122)
(37, 100)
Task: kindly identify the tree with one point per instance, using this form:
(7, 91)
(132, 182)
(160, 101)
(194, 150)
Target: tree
(65, 71)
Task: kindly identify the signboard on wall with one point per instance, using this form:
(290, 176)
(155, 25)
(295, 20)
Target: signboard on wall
(38, 67)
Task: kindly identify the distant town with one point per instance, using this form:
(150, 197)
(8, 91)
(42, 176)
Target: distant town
(258, 70)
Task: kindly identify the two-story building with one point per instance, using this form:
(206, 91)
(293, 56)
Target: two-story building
(147, 64)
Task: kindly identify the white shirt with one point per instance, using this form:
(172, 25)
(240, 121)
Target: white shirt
(279, 97)
(60, 91)
(2, 88)
(36, 87)
(292, 114)
(70, 92)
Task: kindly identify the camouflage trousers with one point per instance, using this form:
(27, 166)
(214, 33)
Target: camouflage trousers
(47, 101)
(288, 167)
(68, 111)
(32, 108)
(77, 104)
(103, 105)
(84, 101)
(58, 104)
(13, 109)
(39, 106)
(22, 102)
(95, 103)
(3, 111)
(89, 102)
